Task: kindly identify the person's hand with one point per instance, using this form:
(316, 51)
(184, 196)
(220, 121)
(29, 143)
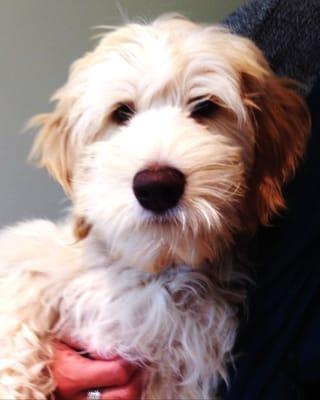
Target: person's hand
(75, 375)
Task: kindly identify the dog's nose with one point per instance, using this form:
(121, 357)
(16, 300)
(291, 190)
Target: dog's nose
(158, 189)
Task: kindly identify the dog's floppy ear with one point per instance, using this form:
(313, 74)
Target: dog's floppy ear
(281, 122)
(51, 148)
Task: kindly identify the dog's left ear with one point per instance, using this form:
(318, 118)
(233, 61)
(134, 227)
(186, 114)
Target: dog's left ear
(281, 121)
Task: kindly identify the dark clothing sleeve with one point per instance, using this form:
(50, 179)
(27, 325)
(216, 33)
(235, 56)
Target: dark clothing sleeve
(287, 31)
(278, 349)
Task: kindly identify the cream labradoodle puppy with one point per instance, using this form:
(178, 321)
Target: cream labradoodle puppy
(173, 141)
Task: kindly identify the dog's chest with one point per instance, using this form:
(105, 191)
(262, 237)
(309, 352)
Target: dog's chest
(176, 323)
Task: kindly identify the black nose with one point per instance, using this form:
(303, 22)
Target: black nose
(159, 189)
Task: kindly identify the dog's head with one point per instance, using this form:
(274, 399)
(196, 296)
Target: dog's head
(171, 138)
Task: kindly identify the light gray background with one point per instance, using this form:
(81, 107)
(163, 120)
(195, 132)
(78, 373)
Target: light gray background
(38, 41)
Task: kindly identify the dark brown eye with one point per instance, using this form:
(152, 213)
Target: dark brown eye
(122, 114)
(204, 109)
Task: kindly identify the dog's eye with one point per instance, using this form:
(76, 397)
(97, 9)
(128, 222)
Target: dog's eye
(122, 114)
(204, 109)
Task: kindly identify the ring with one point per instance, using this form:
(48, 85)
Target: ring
(94, 394)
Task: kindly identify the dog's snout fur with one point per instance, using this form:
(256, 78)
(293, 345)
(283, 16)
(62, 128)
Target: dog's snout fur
(159, 188)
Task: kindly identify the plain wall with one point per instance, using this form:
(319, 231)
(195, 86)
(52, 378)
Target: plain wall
(38, 41)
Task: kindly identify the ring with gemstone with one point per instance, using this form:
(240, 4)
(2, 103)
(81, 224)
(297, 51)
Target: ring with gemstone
(94, 394)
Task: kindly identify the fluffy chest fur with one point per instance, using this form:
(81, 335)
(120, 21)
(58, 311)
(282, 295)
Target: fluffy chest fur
(177, 324)
(180, 324)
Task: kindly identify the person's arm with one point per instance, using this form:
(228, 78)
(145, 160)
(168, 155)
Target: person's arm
(75, 375)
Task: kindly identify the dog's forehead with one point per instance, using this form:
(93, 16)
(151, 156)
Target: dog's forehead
(170, 62)
(144, 54)
(135, 60)
(156, 46)
(139, 54)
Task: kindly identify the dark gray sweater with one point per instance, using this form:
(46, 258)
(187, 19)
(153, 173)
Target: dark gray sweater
(278, 346)
(287, 31)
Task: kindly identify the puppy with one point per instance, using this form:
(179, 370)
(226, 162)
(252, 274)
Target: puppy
(173, 141)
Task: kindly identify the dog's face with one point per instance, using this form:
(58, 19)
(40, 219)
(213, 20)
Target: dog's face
(170, 139)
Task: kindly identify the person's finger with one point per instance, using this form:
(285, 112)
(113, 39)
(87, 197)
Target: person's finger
(131, 391)
(81, 349)
(71, 370)
(74, 343)
(108, 373)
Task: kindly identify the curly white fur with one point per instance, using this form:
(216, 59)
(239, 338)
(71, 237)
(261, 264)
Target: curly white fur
(166, 322)
(158, 290)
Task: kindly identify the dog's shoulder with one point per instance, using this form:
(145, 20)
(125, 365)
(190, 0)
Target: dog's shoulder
(38, 246)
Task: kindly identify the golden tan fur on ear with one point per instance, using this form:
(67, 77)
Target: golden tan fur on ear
(282, 124)
(55, 147)
(51, 147)
(52, 150)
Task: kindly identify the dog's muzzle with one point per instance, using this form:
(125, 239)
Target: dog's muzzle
(159, 189)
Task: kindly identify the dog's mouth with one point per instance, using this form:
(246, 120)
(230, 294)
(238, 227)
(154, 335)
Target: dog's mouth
(166, 218)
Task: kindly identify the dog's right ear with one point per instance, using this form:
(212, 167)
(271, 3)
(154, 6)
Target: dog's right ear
(51, 148)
